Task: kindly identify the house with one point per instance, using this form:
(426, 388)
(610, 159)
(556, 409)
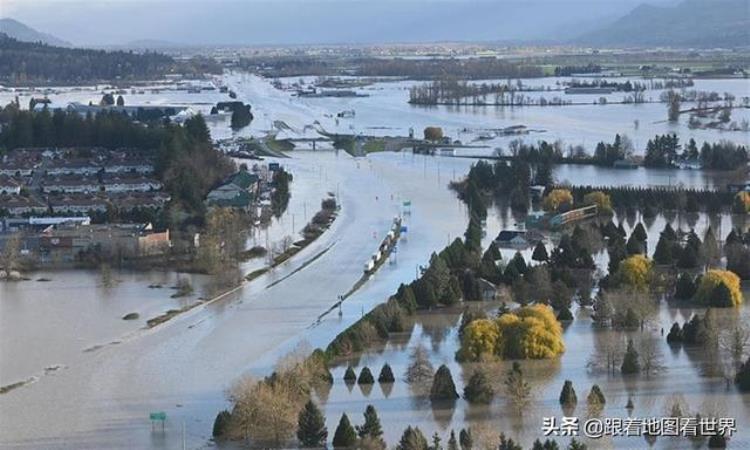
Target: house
(71, 166)
(238, 191)
(65, 242)
(18, 167)
(9, 186)
(78, 204)
(130, 201)
(512, 238)
(128, 164)
(18, 205)
(116, 183)
(70, 184)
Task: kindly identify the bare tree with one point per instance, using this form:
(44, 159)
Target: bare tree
(650, 355)
(517, 389)
(420, 371)
(610, 347)
(11, 252)
(265, 412)
(732, 345)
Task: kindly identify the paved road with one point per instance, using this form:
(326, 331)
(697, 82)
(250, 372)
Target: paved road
(102, 399)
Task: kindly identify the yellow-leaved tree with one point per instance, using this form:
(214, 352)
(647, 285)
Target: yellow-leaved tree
(635, 271)
(530, 332)
(720, 288)
(600, 199)
(479, 340)
(741, 203)
(556, 199)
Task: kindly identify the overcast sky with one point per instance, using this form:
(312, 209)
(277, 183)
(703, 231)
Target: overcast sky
(256, 22)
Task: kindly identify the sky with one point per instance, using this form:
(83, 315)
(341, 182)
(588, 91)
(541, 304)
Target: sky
(261, 22)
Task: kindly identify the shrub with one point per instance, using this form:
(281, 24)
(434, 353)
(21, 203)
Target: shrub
(596, 397)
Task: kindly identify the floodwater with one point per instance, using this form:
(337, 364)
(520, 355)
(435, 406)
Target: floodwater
(684, 378)
(101, 398)
(94, 377)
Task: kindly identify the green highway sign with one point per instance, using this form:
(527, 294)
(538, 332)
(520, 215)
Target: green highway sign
(159, 415)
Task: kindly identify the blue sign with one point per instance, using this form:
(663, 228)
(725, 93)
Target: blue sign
(404, 229)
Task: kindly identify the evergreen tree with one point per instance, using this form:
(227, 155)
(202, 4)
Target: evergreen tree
(221, 424)
(365, 376)
(568, 396)
(630, 362)
(519, 263)
(120, 101)
(675, 334)
(479, 389)
(436, 442)
(663, 251)
(668, 233)
(443, 387)
(412, 439)
(345, 436)
(386, 374)
(311, 426)
(540, 253)
(565, 315)
(371, 429)
(688, 258)
(640, 232)
(711, 250)
(507, 443)
(575, 445)
(742, 378)
(546, 445)
(685, 287)
(717, 441)
(635, 245)
(350, 376)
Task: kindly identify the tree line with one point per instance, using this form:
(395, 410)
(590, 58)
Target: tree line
(35, 63)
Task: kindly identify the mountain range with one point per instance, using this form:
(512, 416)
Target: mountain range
(21, 32)
(691, 23)
(659, 23)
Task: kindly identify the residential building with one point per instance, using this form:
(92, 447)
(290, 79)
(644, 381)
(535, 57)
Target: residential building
(9, 186)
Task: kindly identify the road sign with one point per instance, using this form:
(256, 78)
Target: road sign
(158, 416)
